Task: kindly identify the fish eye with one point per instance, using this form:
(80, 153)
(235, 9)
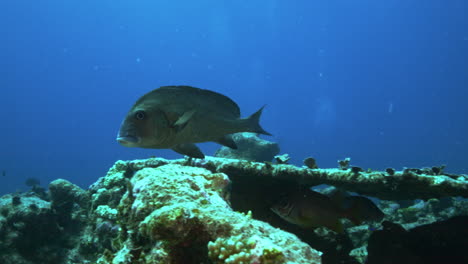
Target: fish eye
(140, 115)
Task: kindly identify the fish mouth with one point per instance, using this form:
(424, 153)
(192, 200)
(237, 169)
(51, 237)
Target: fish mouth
(127, 140)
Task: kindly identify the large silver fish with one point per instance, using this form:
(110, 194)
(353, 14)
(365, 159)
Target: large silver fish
(176, 117)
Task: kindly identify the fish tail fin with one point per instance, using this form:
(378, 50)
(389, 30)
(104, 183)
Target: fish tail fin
(253, 123)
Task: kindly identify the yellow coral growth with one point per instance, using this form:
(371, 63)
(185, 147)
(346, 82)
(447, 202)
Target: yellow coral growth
(240, 250)
(230, 250)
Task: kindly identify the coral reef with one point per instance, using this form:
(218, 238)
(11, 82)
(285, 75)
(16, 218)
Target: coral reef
(34, 230)
(214, 210)
(178, 214)
(406, 184)
(249, 147)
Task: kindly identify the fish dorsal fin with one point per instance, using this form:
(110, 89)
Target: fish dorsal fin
(193, 92)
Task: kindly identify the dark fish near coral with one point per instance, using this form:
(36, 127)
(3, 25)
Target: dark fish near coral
(362, 208)
(359, 208)
(310, 209)
(176, 117)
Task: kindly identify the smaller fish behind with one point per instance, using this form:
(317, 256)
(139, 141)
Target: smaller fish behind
(3, 173)
(360, 208)
(310, 209)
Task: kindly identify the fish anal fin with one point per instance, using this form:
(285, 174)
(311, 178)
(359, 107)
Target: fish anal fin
(190, 150)
(227, 141)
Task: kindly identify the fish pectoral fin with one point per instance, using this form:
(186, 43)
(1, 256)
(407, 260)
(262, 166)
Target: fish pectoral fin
(227, 141)
(190, 150)
(183, 120)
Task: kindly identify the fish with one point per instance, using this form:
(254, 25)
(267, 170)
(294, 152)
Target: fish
(3, 173)
(177, 117)
(309, 209)
(362, 208)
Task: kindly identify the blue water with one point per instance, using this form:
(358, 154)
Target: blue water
(382, 82)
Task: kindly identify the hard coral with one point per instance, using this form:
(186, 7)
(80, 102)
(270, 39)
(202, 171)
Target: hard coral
(239, 249)
(175, 211)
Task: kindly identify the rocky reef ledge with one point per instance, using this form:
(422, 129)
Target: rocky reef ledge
(388, 185)
(207, 211)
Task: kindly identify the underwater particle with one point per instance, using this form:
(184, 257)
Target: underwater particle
(31, 182)
(282, 159)
(183, 116)
(390, 171)
(310, 163)
(344, 164)
(16, 200)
